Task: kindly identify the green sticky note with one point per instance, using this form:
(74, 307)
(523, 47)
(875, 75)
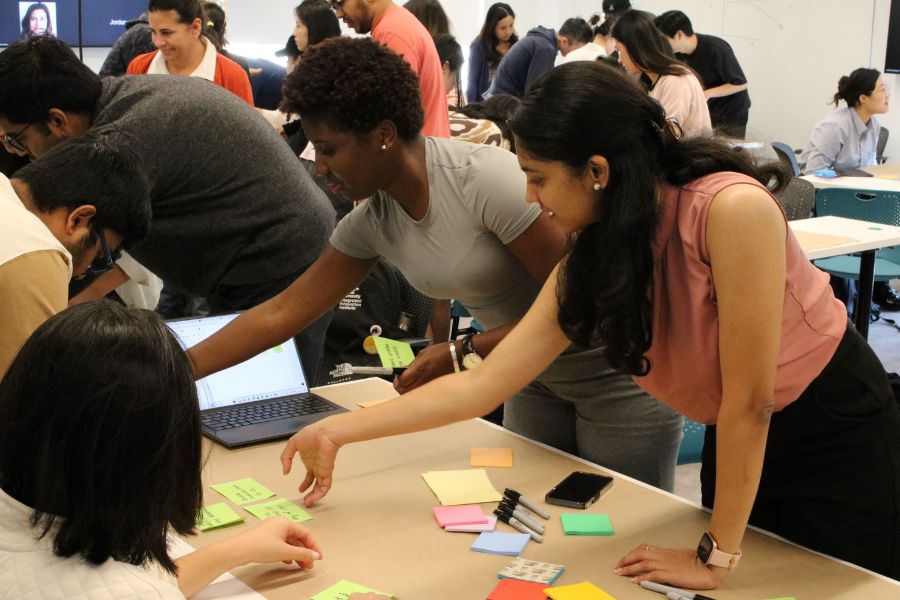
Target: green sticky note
(586, 524)
(217, 515)
(393, 354)
(278, 349)
(342, 590)
(242, 491)
(279, 508)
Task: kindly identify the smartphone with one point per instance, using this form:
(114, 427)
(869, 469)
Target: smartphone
(579, 490)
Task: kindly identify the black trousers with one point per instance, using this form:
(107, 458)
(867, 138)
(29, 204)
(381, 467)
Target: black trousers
(831, 472)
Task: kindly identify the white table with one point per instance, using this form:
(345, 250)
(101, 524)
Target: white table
(886, 179)
(822, 237)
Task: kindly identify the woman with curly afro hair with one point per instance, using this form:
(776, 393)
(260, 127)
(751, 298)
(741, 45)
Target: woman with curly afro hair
(452, 217)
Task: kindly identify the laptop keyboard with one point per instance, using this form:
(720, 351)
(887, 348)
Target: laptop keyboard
(253, 414)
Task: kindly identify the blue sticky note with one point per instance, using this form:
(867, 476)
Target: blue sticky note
(505, 544)
(825, 173)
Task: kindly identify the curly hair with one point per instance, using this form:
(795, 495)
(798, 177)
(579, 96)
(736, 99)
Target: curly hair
(354, 84)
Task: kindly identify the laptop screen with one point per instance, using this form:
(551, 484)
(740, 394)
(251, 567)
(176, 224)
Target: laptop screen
(273, 374)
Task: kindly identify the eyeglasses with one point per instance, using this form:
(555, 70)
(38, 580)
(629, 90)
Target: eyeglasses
(106, 259)
(12, 140)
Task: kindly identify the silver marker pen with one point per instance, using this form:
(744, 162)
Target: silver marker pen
(514, 523)
(529, 504)
(522, 516)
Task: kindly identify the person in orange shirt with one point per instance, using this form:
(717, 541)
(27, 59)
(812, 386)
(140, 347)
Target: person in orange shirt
(177, 27)
(401, 31)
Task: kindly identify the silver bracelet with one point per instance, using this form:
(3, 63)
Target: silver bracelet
(453, 357)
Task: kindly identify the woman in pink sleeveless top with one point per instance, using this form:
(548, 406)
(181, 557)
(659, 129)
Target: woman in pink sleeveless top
(685, 268)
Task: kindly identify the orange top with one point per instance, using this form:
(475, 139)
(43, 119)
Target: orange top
(685, 372)
(229, 74)
(401, 31)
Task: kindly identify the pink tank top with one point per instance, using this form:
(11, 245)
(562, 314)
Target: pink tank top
(685, 371)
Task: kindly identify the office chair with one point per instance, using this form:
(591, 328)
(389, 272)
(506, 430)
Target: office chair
(798, 199)
(786, 155)
(691, 448)
(883, 134)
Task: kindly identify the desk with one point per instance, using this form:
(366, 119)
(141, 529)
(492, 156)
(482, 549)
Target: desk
(822, 237)
(376, 527)
(886, 179)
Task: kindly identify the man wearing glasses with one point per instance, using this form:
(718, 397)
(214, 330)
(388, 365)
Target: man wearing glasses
(68, 214)
(235, 217)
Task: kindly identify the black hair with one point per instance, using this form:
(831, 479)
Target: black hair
(97, 169)
(488, 36)
(673, 21)
(431, 14)
(100, 434)
(615, 6)
(26, 25)
(498, 108)
(214, 24)
(43, 73)
(604, 28)
(188, 10)
(605, 284)
(647, 46)
(319, 19)
(449, 52)
(861, 82)
(576, 30)
(373, 84)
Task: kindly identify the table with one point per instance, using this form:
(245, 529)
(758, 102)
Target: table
(886, 179)
(822, 237)
(376, 527)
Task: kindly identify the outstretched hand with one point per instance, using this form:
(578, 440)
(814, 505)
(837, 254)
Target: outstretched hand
(678, 567)
(318, 454)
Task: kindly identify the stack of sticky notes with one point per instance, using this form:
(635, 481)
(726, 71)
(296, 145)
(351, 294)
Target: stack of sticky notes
(491, 457)
(467, 486)
(586, 524)
(514, 589)
(505, 544)
(466, 518)
(580, 591)
(532, 570)
(343, 589)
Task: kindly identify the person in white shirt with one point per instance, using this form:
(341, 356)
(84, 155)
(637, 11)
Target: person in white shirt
(576, 42)
(101, 457)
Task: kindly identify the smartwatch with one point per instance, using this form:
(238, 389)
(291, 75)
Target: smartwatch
(471, 359)
(709, 554)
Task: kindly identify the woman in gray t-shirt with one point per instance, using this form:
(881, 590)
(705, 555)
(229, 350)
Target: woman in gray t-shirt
(452, 217)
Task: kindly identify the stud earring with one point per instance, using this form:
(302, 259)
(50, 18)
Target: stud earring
(383, 147)
(596, 187)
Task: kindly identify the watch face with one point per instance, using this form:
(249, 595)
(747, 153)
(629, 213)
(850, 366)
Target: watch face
(705, 548)
(470, 361)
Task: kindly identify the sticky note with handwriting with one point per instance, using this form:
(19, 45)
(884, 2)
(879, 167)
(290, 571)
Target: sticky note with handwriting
(393, 353)
(217, 515)
(343, 589)
(242, 491)
(279, 508)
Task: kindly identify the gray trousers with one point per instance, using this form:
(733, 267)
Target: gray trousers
(582, 406)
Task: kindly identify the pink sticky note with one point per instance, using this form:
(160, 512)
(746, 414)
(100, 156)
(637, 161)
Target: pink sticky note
(475, 527)
(468, 514)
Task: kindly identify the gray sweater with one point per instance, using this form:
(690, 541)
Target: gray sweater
(231, 204)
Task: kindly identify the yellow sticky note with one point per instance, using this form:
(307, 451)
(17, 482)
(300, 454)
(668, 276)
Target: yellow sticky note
(278, 508)
(491, 457)
(242, 491)
(394, 354)
(468, 486)
(580, 591)
(217, 515)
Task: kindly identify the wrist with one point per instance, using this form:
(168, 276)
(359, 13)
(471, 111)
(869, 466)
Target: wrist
(227, 554)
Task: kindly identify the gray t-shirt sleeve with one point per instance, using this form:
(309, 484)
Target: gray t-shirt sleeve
(356, 234)
(496, 190)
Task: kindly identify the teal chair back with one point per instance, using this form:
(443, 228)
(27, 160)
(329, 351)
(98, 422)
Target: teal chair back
(865, 205)
(691, 449)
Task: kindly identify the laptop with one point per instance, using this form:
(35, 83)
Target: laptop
(262, 399)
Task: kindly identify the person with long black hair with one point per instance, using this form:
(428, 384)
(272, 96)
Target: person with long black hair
(100, 456)
(685, 267)
(644, 51)
(497, 36)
